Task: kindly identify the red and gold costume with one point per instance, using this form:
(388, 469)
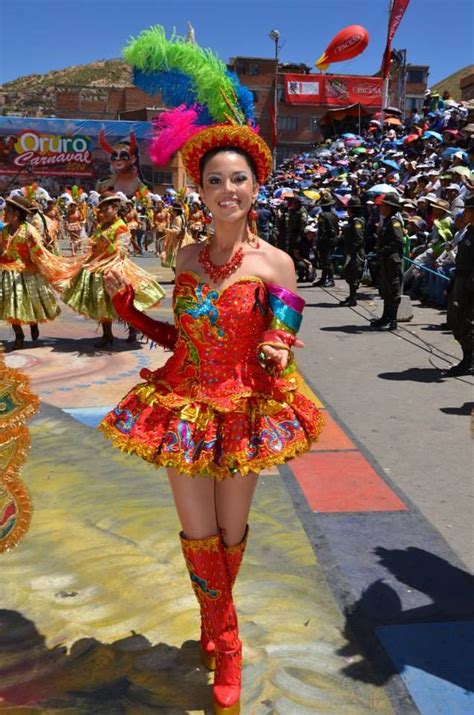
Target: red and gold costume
(212, 409)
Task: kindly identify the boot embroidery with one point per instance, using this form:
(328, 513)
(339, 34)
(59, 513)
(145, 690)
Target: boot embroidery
(201, 584)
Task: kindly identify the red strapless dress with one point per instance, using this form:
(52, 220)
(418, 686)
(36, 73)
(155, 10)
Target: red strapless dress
(211, 410)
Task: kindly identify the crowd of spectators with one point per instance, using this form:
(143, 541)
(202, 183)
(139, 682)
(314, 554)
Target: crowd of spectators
(327, 207)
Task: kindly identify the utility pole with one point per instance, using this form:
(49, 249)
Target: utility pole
(275, 36)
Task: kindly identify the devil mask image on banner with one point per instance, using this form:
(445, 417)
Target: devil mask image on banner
(124, 165)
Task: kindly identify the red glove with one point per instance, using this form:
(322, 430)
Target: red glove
(164, 334)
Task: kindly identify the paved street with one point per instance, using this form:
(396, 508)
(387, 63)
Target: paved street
(355, 595)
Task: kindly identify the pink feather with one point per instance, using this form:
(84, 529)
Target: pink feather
(171, 130)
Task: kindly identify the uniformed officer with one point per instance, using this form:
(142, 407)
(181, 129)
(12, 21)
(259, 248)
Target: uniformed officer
(328, 232)
(354, 253)
(461, 298)
(389, 255)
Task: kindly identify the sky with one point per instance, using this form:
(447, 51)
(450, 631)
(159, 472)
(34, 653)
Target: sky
(41, 35)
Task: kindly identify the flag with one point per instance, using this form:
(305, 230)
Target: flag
(396, 14)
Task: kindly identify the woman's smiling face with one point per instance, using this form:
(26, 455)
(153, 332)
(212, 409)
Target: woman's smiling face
(228, 186)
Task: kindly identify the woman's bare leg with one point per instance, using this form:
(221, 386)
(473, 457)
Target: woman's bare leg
(205, 506)
(195, 504)
(233, 501)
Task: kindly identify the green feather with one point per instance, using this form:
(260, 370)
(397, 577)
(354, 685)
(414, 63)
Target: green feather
(152, 52)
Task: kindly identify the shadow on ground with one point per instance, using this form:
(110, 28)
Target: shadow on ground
(97, 677)
(415, 374)
(451, 592)
(350, 329)
(465, 409)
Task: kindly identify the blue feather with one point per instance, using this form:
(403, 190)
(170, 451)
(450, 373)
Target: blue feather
(244, 96)
(175, 88)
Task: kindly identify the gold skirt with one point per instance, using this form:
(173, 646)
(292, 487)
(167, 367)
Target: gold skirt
(26, 298)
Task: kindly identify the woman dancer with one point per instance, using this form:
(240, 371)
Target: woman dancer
(26, 298)
(226, 404)
(175, 236)
(108, 248)
(160, 224)
(74, 227)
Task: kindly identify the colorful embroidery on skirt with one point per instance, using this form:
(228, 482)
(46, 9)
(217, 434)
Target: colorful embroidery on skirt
(272, 435)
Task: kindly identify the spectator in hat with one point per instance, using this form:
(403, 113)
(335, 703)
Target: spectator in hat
(452, 194)
(389, 254)
(353, 246)
(461, 299)
(328, 233)
(305, 257)
(442, 229)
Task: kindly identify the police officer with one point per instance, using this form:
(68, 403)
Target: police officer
(297, 219)
(389, 255)
(354, 254)
(461, 298)
(328, 232)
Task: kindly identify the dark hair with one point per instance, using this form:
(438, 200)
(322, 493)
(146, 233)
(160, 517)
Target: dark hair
(205, 158)
(21, 213)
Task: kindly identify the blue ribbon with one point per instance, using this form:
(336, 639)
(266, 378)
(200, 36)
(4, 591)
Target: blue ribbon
(283, 313)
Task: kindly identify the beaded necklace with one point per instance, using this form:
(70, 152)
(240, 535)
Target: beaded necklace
(219, 273)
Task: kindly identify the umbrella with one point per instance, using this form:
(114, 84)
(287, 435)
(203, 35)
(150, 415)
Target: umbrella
(282, 192)
(461, 170)
(432, 135)
(304, 184)
(393, 110)
(381, 189)
(343, 199)
(411, 138)
(447, 153)
(313, 195)
(321, 170)
(392, 164)
(450, 103)
(394, 121)
(351, 143)
(375, 121)
(359, 150)
(348, 135)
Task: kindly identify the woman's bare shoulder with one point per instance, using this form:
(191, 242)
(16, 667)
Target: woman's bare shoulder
(278, 266)
(187, 257)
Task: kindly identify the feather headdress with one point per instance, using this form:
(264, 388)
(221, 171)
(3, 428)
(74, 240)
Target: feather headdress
(210, 106)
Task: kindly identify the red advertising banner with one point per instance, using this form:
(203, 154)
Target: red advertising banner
(396, 14)
(333, 90)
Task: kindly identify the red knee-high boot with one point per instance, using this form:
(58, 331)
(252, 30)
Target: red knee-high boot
(233, 557)
(205, 559)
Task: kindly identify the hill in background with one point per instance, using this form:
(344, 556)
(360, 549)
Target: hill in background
(452, 82)
(103, 73)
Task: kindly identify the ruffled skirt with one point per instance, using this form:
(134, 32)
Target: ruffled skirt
(217, 438)
(86, 294)
(26, 298)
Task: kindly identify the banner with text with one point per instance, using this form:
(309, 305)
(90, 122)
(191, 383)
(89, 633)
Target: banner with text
(91, 153)
(333, 90)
